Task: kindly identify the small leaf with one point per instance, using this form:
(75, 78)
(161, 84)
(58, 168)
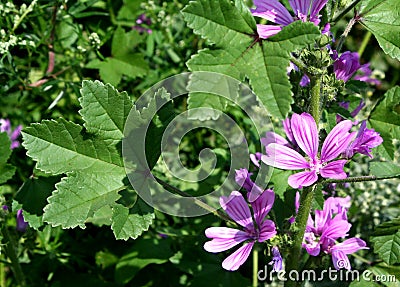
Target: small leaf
(130, 223)
(386, 121)
(386, 241)
(384, 169)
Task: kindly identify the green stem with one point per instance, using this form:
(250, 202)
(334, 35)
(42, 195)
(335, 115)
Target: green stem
(11, 253)
(364, 43)
(255, 267)
(345, 11)
(195, 200)
(360, 178)
(27, 11)
(315, 103)
(2, 275)
(293, 261)
(345, 33)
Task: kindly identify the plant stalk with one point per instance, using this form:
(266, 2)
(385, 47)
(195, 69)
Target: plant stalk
(315, 103)
(255, 267)
(360, 178)
(11, 254)
(293, 261)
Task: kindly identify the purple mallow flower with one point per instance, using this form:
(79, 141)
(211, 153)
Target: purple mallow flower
(353, 113)
(348, 64)
(259, 229)
(242, 178)
(276, 259)
(364, 141)
(305, 133)
(274, 11)
(5, 126)
(328, 226)
(142, 19)
(22, 225)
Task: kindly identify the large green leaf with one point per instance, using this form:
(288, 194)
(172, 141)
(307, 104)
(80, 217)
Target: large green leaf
(384, 169)
(385, 119)
(242, 55)
(104, 110)
(92, 162)
(60, 147)
(386, 241)
(382, 19)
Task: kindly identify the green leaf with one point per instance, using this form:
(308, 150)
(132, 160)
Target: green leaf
(112, 69)
(384, 169)
(385, 119)
(220, 21)
(143, 253)
(242, 55)
(130, 223)
(60, 147)
(279, 179)
(33, 196)
(124, 60)
(382, 19)
(6, 170)
(104, 110)
(386, 241)
(79, 195)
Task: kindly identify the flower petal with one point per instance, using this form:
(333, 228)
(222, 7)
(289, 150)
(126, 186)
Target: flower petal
(350, 245)
(301, 179)
(271, 137)
(305, 133)
(266, 31)
(284, 157)
(255, 158)
(337, 141)
(236, 207)
(237, 258)
(300, 8)
(337, 228)
(316, 7)
(340, 260)
(273, 11)
(334, 170)
(223, 238)
(262, 205)
(267, 230)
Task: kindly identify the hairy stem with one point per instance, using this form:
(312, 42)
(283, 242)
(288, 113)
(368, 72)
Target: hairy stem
(315, 103)
(306, 199)
(11, 254)
(360, 178)
(255, 267)
(346, 32)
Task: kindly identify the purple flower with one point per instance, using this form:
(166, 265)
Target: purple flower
(256, 158)
(366, 75)
(305, 133)
(276, 259)
(346, 65)
(274, 11)
(21, 223)
(364, 141)
(346, 106)
(329, 225)
(296, 207)
(224, 238)
(5, 126)
(142, 19)
(243, 179)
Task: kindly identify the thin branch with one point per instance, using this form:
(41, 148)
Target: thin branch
(345, 11)
(195, 200)
(360, 179)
